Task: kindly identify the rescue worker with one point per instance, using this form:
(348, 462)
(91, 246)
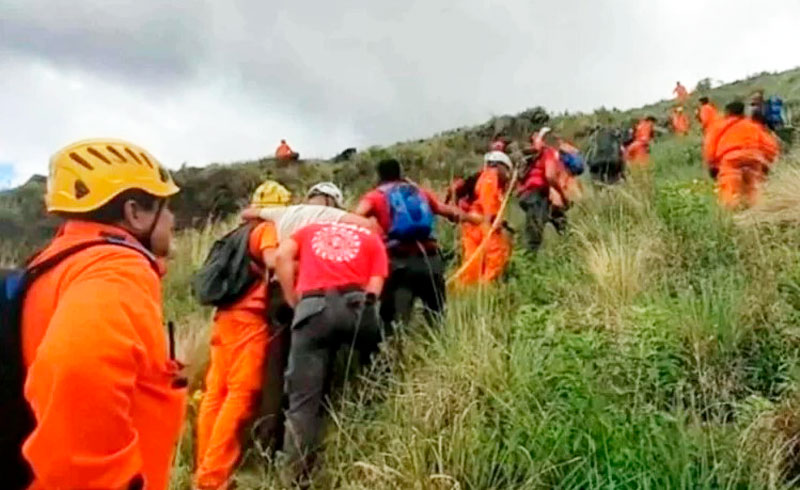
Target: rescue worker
(681, 94)
(285, 152)
(332, 274)
(680, 123)
(416, 265)
(239, 341)
(707, 113)
(638, 152)
(108, 399)
(739, 152)
(542, 190)
(490, 189)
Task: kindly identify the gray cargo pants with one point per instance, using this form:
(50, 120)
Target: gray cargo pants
(322, 324)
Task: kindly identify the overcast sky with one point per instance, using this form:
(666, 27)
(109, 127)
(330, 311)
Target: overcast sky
(202, 81)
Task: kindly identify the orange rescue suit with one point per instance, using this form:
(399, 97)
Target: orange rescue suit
(638, 152)
(707, 115)
(107, 399)
(742, 151)
(490, 265)
(680, 123)
(239, 341)
(284, 151)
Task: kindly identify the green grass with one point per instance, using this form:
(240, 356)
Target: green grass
(654, 345)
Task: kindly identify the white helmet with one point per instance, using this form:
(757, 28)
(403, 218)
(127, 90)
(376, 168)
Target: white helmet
(328, 189)
(498, 157)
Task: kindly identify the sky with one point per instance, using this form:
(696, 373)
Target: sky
(201, 81)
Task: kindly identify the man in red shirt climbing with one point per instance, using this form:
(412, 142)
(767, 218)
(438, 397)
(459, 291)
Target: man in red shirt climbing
(406, 214)
(332, 274)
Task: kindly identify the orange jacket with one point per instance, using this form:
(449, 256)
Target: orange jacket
(100, 381)
(644, 131)
(707, 115)
(737, 139)
(680, 123)
(284, 151)
(680, 92)
(489, 193)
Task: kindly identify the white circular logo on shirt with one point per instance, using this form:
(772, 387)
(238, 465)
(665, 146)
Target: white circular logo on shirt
(337, 243)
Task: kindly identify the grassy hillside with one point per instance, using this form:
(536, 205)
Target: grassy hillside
(655, 345)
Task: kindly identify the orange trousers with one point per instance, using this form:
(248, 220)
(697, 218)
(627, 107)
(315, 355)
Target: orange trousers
(233, 385)
(638, 153)
(739, 183)
(491, 264)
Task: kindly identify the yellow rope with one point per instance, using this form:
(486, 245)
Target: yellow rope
(497, 221)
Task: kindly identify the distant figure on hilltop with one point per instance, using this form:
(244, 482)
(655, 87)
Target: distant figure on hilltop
(681, 94)
(285, 153)
(739, 152)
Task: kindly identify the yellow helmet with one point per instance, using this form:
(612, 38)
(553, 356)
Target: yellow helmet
(269, 194)
(86, 175)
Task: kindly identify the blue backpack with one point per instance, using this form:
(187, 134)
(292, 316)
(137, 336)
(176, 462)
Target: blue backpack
(16, 418)
(411, 214)
(573, 162)
(773, 112)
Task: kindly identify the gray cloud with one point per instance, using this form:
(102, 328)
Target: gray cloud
(329, 73)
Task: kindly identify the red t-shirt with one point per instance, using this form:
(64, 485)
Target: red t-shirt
(536, 179)
(332, 255)
(380, 205)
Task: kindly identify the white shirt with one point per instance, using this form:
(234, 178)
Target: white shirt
(289, 219)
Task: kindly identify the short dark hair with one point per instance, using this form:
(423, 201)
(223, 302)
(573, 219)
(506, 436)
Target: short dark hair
(651, 118)
(114, 210)
(704, 100)
(389, 170)
(735, 108)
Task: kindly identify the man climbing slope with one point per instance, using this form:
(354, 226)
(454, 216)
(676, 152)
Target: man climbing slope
(490, 189)
(739, 153)
(406, 213)
(681, 94)
(239, 340)
(106, 394)
(332, 274)
(680, 122)
(707, 113)
(638, 152)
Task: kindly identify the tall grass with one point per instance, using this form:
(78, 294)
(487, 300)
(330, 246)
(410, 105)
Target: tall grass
(654, 345)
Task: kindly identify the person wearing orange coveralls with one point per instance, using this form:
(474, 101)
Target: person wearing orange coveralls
(107, 397)
(490, 190)
(707, 113)
(239, 341)
(681, 94)
(739, 152)
(638, 152)
(285, 152)
(680, 123)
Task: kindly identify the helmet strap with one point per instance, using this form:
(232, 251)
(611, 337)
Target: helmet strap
(148, 241)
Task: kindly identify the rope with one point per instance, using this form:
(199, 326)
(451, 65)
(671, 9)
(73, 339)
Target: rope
(497, 221)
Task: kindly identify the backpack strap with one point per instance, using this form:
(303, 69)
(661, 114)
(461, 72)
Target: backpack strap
(34, 271)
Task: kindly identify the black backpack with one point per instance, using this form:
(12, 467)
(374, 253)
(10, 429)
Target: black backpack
(605, 146)
(228, 272)
(16, 417)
